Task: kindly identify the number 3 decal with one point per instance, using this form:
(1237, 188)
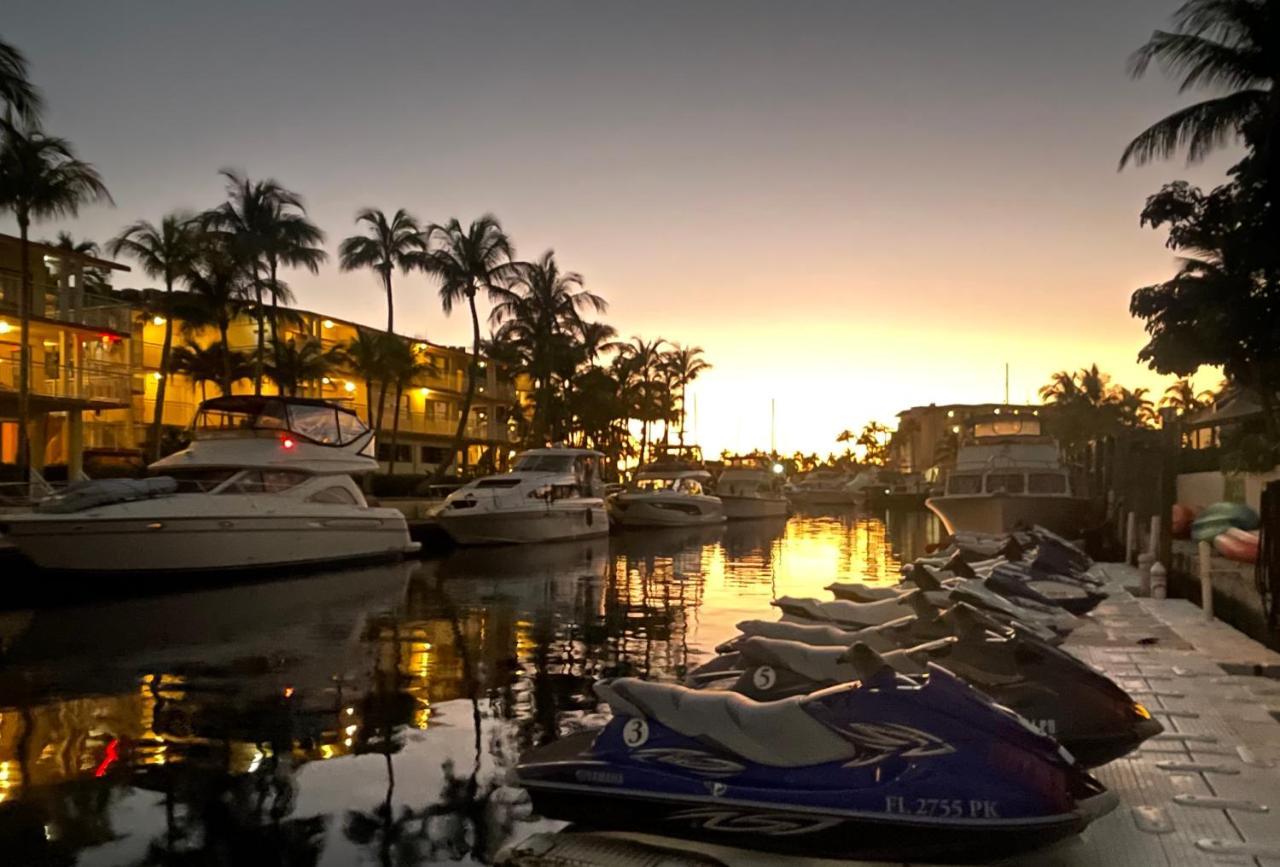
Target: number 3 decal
(635, 732)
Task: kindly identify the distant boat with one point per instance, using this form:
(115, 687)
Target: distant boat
(550, 495)
(825, 487)
(1009, 475)
(749, 488)
(672, 491)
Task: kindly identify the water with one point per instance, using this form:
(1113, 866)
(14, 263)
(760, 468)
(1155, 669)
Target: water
(369, 716)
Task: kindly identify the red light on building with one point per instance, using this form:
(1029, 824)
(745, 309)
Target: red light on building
(287, 442)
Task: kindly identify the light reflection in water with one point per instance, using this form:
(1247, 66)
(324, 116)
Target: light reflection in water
(369, 714)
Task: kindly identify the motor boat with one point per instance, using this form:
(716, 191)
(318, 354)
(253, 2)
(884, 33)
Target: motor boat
(1090, 715)
(265, 483)
(886, 767)
(672, 491)
(824, 487)
(1009, 476)
(550, 494)
(751, 487)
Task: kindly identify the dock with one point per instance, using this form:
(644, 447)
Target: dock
(1206, 791)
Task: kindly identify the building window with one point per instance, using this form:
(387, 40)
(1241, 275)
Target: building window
(403, 453)
(434, 455)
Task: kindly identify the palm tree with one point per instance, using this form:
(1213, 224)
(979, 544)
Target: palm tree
(638, 365)
(215, 280)
(17, 92)
(40, 178)
(1183, 398)
(212, 363)
(389, 245)
(269, 227)
(1133, 407)
(294, 362)
(91, 279)
(685, 364)
(403, 367)
(1227, 45)
(366, 355)
(164, 252)
(468, 261)
(1062, 388)
(538, 314)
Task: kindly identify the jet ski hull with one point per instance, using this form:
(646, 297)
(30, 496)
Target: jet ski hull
(567, 782)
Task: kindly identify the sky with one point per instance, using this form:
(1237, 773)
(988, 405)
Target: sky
(852, 207)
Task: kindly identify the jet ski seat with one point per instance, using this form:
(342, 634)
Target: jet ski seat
(858, 614)
(832, 664)
(777, 733)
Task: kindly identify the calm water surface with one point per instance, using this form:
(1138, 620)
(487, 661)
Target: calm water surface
(369, 716)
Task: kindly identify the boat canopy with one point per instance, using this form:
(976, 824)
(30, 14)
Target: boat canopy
(315, 421)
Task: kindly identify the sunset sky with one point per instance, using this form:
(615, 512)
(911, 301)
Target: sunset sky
(854, 207)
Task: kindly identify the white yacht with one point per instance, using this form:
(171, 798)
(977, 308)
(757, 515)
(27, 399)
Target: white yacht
(550, 494)
(824, 487)
(751, 487)
(672, 491)
(266, 482)
(1009, 476)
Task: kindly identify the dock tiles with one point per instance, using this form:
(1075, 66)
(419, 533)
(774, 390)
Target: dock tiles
(1207, 791)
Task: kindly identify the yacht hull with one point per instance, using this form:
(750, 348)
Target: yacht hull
(667, 510)
(745, 508)
(1001, 513)
(526, 526)
(168, 543)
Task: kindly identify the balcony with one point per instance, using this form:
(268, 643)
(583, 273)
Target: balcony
(94, 382)
(67, 306)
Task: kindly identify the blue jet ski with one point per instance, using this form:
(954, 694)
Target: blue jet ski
(887, 767)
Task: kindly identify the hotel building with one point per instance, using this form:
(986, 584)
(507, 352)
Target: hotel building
(95, 368)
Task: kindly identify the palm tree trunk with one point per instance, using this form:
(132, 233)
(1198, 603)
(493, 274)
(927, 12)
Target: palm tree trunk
(460, 433)
(395, 430)
(157, 422)
(24, 350)
(275, 321)
(684, 388)
(391, 311)
(223, 326)
(258, 356)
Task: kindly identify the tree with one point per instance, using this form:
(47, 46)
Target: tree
(1227, 45)
(1220, 308)
(268, 225)
(212, 363)
(164, 252)
(40, 178)
(295, 362)
(466, 262)
(215, 280)
(637, 367)
(18, 94)
(1132, 407)
(1183, 398)
(874, 441)
(685, 364)
(397, 243)
(538, 317)
(366, 355)
(403, 366)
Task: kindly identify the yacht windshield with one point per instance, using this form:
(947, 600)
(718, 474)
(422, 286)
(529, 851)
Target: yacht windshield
(239, 416)
(544, 464)
(653, 484)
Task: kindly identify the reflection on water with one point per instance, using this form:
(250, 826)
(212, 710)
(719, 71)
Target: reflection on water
(368, 716)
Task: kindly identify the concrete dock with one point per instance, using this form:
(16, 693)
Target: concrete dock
(1206, 792)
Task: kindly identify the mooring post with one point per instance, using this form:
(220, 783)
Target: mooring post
(1130, 537)
(1146, 562)
(1206, 580)
(1159, 581)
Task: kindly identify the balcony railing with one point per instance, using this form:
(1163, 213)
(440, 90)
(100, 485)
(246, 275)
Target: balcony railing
(67, 305)
(92, 381)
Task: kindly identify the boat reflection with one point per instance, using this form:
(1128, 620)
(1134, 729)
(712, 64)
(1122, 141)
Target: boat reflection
(366, 715)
